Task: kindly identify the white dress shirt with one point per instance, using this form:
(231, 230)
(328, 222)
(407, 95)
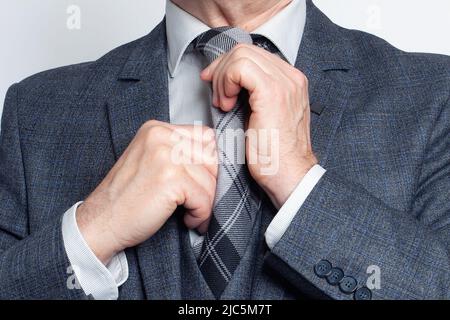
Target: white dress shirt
(190, 102)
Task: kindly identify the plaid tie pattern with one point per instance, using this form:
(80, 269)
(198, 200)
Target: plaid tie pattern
(235, 205)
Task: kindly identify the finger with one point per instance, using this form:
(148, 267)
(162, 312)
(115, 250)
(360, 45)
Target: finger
(273, 58)
(228, 95)
(288, 72)
(226, 103)
(264, 58)
(191, 145)
(225, 92)
(215, 88)
(215, 71)
(196, 132)
(248, 75)
(126, 167)
(198, 203)
(207, 75)
(203, 177)
(203, 227)
(206, 156)
(201, 150)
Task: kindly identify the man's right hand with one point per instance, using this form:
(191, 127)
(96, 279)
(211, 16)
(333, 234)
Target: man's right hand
(164, 167)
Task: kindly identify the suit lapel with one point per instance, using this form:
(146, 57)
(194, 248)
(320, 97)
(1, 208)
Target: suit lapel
(325, 58)
(141, 94)
(141, 90)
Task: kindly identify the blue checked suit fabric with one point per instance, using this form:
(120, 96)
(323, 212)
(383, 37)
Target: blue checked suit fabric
(235, 205)
(384, 200)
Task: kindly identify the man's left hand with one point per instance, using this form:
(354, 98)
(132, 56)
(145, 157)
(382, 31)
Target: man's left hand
(279, 119)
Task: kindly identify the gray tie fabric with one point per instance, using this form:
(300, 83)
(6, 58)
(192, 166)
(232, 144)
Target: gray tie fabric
(236, 204)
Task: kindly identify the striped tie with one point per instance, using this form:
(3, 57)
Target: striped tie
(235, 205)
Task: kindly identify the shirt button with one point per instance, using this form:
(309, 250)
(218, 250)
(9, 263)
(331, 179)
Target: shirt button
(363, 293)
(348, 284)
(322, 268)
(335, 276)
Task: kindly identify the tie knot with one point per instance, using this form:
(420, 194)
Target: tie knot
(215, 42)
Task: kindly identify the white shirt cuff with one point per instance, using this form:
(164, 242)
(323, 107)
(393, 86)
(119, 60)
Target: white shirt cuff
(284, 217)
(96, 279)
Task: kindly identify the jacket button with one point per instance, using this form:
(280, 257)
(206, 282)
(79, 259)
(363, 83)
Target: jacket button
(348, 284)
(363, 293)
(322, 268)
(335, 276)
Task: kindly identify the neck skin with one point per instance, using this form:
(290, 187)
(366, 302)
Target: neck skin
(245, 14)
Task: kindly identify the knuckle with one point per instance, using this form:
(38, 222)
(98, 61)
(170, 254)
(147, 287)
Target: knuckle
(291, 86)
(149, 137)
(155, 132)
(305, 79)
(276, 85)
(300, 78)
(243, 64)
(170, 173)
(160, 154)
(240, 49)
(144, 128)
(150, 123)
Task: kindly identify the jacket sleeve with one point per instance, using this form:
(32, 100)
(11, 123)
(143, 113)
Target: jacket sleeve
(32, 266)
(397, 254)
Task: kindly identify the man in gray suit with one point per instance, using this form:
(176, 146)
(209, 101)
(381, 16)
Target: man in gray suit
(94, 203)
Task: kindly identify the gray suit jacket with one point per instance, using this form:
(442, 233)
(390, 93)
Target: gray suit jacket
(381, 129)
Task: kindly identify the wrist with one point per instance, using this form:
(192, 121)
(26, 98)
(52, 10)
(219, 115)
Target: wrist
(96, 233)
(280, 187)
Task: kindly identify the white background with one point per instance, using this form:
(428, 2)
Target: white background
(35, 35)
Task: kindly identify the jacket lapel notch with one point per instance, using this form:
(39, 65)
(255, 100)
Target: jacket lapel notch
(141, 90)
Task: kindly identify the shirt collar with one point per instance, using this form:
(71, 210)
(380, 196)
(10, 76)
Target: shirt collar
(285, 30)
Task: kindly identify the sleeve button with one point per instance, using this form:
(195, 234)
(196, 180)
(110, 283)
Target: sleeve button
(363, 293)
(335, 276)
(348, 284)
(322, 268)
